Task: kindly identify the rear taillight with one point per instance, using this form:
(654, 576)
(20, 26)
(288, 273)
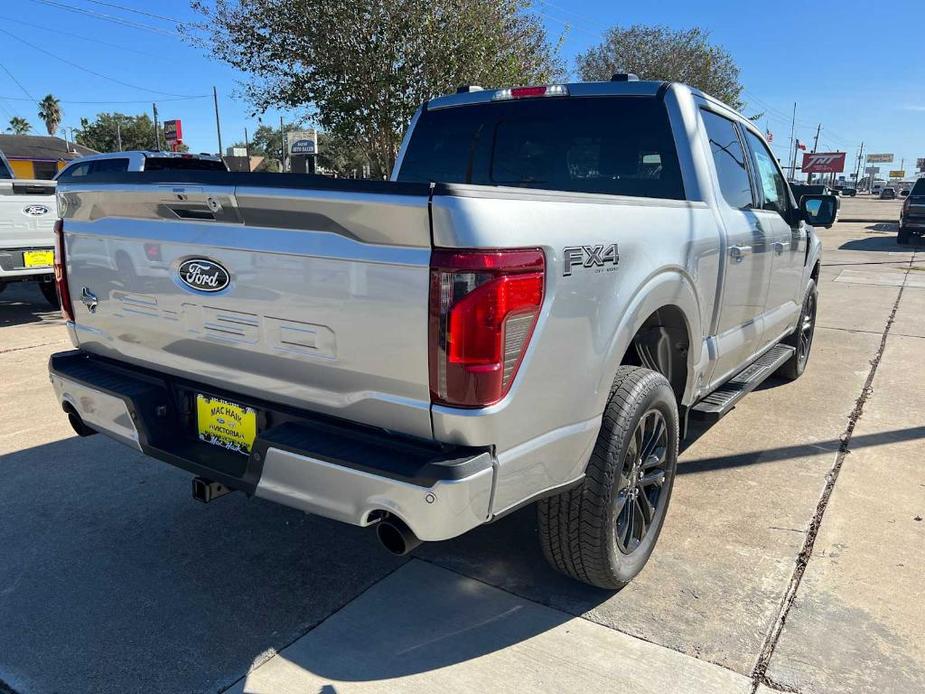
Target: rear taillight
(153, 251)
(530, 92)
(483, 308)
(907, 203)
(64, 296)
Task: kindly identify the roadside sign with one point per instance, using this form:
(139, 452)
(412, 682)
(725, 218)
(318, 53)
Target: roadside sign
(897, 174)
(823, 162)
(304, 142)
(879, 158)
(920, 164)
(173, 131)
(872, 170)
(302, 147)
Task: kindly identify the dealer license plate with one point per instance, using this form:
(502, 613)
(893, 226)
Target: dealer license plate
(226, 424)
(38, 258)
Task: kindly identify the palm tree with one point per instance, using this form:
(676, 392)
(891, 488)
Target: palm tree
(50, 112)
(19, 126)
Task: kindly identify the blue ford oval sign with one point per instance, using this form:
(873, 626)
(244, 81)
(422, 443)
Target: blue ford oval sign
(203, 275)
(35, 210)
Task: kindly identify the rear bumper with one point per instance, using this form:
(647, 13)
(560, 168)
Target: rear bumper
(321, 466)
(917, 223)
(12, 265)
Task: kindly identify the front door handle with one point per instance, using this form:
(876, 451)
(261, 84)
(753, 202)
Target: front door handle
(738, 253)
(781, 246)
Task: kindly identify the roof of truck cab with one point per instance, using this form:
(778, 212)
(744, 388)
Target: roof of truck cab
(629, 88)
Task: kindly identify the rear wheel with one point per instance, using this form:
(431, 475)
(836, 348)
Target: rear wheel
(50, 293)
(603, 531)
(902, 238)
(802, 338)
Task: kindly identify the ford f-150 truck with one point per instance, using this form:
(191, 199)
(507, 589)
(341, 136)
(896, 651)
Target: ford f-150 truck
(553, 281)
(27, 217)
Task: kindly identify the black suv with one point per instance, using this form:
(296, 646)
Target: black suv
(912, 218)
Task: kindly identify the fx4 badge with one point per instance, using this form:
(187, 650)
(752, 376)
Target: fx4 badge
(595, 257)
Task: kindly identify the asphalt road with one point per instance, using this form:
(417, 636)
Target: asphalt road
(791, 559)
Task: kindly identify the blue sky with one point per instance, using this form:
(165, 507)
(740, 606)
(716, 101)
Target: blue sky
(856, 67)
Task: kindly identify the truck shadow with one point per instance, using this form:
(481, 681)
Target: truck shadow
(22, 303)
(875, 243)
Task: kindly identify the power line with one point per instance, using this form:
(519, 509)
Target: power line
(136, 11)
(18, 84)
(106, 17)
(114, 101)
(83, 37)
(88, 70)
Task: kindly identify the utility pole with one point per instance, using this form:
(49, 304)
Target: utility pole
(793, 158)
(282, 147)
(157, 133)
(857, 169)
(218, 125)
(119, 135)
(809, 177)
(247, 150)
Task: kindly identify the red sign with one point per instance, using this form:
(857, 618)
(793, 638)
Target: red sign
(824, 162)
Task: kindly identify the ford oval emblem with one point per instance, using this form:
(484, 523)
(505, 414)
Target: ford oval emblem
(35, 210)
(203, 275)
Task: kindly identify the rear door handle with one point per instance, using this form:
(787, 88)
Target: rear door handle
(738, 253)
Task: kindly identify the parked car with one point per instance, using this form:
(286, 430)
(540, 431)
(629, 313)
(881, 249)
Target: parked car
(888, 193)
(912, 217)
(27, 217)
(555, 279)
(850, 192)
(903, 192)
(117, 162)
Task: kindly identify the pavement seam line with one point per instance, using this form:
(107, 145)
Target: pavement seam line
(759, 673)
(311, 628)
(20, 349)
(578, 616)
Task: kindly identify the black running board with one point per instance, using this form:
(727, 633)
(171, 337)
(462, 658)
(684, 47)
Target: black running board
(724, 398)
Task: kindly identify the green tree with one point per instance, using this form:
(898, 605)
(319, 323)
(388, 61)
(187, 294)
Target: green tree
(50, 112)
(19, 126)
(342, 156)
(101, 133)
(364, 66)
(661, 53)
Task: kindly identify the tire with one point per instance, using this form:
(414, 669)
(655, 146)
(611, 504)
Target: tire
(590, 532)
(802, 338)
(902, 238)
(50, 293)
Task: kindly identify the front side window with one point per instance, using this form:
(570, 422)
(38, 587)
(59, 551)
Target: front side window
(773, 186)
(729, 159)
(612, 145)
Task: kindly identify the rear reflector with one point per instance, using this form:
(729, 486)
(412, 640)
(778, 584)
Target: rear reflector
(483, 308)
(530, 92)
(64, 296)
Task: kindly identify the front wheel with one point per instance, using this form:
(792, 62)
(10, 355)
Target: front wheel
(801, 338)
(603, 531)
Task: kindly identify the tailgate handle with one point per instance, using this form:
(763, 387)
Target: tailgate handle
(197, 213)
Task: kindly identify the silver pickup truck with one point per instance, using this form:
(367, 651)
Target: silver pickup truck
(555, 279)
(27, 217)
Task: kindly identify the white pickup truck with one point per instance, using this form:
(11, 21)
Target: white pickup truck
(556, 278)
(27, 217)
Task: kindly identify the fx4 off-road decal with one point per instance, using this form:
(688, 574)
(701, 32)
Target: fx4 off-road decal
(596, 258)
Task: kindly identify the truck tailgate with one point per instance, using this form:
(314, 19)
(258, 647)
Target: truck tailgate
(325, 303)
(27, 214)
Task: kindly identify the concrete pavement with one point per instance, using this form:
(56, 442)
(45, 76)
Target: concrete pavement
(766, 574)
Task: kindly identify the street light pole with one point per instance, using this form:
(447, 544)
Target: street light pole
(218, 125)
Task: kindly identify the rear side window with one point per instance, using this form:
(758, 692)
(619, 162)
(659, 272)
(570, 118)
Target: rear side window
(4, 170)
(183, 164)
(613, 145)
(729, 159)
(918, 188)
(109, 165)
(75, 170)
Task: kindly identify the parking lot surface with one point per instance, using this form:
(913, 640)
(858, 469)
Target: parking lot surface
(791, 559)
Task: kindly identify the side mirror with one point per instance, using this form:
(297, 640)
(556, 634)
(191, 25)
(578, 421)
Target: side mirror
(819, 210)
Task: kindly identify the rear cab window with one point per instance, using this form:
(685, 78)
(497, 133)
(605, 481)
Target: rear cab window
(617, 145)
(114, 165)
(183, 164)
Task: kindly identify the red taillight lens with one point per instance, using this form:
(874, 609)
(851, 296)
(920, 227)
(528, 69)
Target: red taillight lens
(64, 296)
(153, 251)
(907, 203)
(483, 308)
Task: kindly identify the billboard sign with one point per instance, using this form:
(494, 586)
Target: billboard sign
(897, 174)
(879, 158)
(173, 131)
(920, 164)
(304, 142)
(872, 170)
(823, 162)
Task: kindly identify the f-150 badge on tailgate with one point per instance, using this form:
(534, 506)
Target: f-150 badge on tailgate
(203, 275)
(595, 257)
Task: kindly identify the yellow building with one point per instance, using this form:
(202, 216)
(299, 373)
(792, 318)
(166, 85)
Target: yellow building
(39, 156)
